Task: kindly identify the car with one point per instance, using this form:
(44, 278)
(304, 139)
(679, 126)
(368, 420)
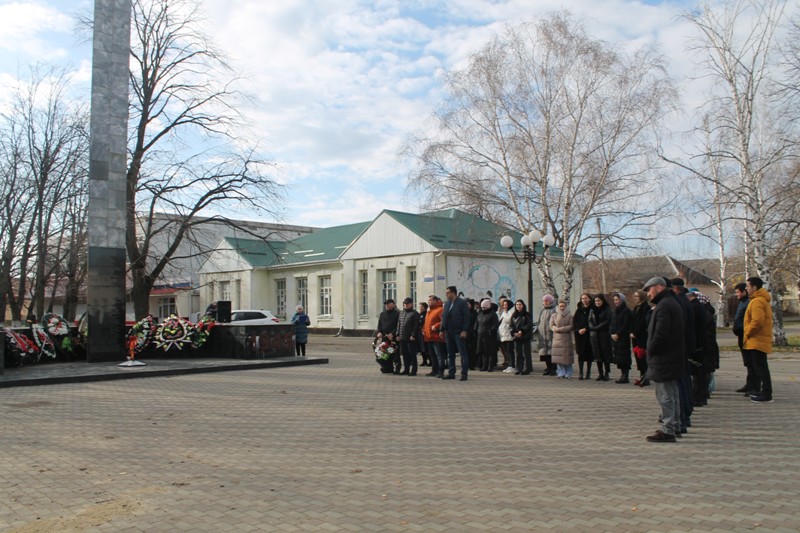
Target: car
(253, 317)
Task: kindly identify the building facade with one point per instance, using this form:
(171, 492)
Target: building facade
(342, 275)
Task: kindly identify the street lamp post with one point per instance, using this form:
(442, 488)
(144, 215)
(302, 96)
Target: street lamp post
(529, 255)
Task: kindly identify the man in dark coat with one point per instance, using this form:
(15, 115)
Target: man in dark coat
(455, 326)
(387, 327)
(689, 341)
(666, 358)
(750, 386)
(407, 328)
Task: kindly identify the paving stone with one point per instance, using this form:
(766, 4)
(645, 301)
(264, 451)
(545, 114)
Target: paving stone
(340, 447)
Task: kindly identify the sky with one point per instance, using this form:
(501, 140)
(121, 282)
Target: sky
(338, 85)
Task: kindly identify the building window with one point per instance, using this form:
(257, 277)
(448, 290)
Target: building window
(302, 292)
(325, 295)
(166, 307)
(388, 285)
(412, 284)
(225, 290)
(363, 278)
(280, 297)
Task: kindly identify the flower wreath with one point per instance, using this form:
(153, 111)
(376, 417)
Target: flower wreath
(20, 342)
(174, 332)
(55, 325)
(203, 329)
(385, 350)
(83, 328)
(141, 335)
(43, 341)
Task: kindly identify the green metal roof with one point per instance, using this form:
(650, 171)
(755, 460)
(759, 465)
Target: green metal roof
(455, 230)
(256, 252)
(449, 229)
(326, 244)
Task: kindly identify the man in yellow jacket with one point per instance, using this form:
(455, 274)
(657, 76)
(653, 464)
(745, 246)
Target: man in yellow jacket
(758, 337)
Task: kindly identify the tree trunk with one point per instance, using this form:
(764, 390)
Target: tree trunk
(140, 292)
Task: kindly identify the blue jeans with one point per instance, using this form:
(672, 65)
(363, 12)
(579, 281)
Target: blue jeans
(669, 398)
(436, 351)
(455, 343)
(564, 370)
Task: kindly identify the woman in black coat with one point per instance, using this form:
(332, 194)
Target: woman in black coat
(620, 329)
(580, 327)
(486, 327)
(599, 323)
(521, 330)
(641, 316)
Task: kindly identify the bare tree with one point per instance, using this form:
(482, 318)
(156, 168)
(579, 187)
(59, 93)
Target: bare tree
(45, 141)
(715, 197)
(737, 43)
(548, 128)
(182, 99)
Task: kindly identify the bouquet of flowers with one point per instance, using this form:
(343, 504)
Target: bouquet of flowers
(202, 330)
(43, 341)
(175, 332)
(385, 349)
(140, 336)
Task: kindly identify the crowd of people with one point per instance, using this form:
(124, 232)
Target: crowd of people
(669, 333)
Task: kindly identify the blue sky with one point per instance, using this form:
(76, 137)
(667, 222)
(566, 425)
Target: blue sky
(339, 84)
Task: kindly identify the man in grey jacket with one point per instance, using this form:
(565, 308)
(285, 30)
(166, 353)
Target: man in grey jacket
(665, 357)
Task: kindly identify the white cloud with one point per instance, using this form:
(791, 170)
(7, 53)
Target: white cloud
(339, 84)
(26, 29)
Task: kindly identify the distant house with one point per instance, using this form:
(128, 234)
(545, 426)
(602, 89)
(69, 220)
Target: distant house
(178, 289)
(342, 275)
(630, 274)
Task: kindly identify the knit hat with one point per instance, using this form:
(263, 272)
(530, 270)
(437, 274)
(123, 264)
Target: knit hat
(486, 304)
(548, 299)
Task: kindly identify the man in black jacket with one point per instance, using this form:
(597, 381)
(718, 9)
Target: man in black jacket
(387, 327)
(750, 386)
(407, 328)
(689, 340)
(666, 357)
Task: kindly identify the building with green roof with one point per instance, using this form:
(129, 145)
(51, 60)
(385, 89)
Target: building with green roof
(342, 275)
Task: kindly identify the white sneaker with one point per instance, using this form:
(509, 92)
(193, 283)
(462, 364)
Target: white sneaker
(510, 370)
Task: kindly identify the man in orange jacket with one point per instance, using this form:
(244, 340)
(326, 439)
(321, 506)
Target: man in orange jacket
(758, 337)
(431, 330)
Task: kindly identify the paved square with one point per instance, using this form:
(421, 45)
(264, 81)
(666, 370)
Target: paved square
(340, 447)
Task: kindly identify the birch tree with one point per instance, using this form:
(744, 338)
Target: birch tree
(548, 128)
(737, 46)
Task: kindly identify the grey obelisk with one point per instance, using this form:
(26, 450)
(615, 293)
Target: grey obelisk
(107, 172)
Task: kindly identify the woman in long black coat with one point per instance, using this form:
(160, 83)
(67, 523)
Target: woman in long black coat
(620, 329)
(522, 330)
(580, 327)
(641, 315)
(599, 323)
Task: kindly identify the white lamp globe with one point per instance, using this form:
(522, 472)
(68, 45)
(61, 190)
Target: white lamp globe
(535, 235)
(506, 241)
(549, 240)
(525, 241)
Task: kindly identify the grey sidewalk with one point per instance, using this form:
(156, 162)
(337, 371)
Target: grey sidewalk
(340, 447)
